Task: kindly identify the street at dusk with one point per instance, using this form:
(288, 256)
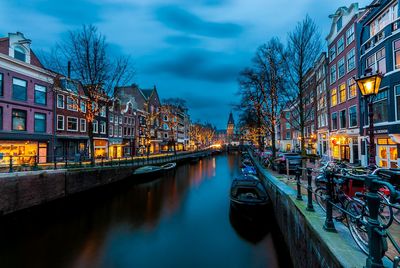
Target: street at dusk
(204, 133)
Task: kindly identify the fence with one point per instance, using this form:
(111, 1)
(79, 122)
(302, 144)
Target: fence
(35, 162)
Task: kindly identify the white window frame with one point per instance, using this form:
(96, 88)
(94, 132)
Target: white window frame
(82, 120)
(343, 47)
(77, 124)
(396, 105)
(330, 74)
(348, 89)
(347, 35)
(84, 106)
(63, 120)
(95, 126)
(103, 126)
(337, 123)
(329, 53)
(394, 55)
(338, 65)
(103, 112)
(120, 119)
(111, 130)
(74, 100)
(63, 103)
(111, 117)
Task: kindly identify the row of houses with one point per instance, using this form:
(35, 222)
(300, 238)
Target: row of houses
(39, 118)
(360, 40)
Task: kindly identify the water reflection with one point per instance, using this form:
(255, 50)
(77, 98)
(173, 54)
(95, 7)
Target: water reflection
(179, 220)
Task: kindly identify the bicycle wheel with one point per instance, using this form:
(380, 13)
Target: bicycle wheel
(385, 212)
(396, 214)
(356, 224)
(321, 196)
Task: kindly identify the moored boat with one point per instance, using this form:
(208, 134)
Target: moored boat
(249, 170)
(168, 166)
(249, 195)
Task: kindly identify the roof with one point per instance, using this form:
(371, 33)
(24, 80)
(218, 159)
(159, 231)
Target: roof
(147, 92)
(230, 120)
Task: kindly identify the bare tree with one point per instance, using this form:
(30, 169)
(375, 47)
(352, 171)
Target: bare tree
(91, 64)
(303, 48)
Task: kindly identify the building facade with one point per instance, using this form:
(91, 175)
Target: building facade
(342, 89)
(379, 45)
(26, 103)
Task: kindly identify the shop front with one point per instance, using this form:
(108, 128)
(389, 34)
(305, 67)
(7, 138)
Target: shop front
(116, 147)
(23, 152)
(387, 152)
(323, 143)
(100, 148)
(71, 148)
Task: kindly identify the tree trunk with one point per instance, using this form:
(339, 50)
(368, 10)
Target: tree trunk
(91, 143)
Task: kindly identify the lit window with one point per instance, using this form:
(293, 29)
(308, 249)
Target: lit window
(342, 93)
(352, 87)
(396, 49)
(72, 104)
(381, 107)
(377, 61)
(397, 93)
(334, 97)
(18, 120)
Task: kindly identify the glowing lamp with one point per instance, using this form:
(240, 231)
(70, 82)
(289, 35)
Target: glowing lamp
(369, 84)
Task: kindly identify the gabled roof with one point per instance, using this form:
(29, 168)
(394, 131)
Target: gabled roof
(147, 92)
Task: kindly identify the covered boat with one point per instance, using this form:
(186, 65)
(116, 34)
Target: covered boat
(248, 194)
(168, 166)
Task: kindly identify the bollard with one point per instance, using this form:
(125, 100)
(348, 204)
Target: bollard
(376, 235)
(119, 162)
(298, 172)
(11, 164)
(35, 163)
(66, 161)
(55, 161)
(309, 190)
(102, 161)
(329, 224)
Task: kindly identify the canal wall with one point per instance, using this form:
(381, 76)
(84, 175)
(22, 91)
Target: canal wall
(22, 190)
(308, 243)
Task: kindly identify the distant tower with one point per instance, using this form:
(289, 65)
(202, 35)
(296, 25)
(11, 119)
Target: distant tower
(230, 128)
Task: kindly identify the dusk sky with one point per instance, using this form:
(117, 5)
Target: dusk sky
(191, 49)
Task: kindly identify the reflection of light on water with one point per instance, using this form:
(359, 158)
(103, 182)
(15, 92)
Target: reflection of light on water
(214, 164)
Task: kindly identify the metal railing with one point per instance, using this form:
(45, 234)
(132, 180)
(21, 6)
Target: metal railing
(10, 164)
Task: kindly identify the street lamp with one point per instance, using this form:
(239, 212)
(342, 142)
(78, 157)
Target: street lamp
(369, 87)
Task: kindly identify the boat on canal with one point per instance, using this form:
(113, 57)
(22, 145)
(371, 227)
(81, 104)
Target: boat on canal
(153, 172)
(249, 195)
(249, 170)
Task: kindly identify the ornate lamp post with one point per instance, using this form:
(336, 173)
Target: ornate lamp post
(369, 87)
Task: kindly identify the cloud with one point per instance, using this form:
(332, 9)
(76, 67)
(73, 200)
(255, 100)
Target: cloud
(182, 40)
(198, 64)
(184, 21)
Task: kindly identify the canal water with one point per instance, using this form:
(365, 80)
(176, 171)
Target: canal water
(179, 220)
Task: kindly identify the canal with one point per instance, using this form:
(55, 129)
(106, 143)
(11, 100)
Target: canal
(179, 220)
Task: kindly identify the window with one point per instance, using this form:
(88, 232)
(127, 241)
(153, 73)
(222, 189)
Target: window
(111, 130)
(342, 93)
(343, 119)
(288, 135)
(381, 107)
(72, 123)
(120, 131)
(111, 118)
(287, 125)
(19, 89)
(60, 101)
(69, 85)
(83, 106)
(1, 84)
(377, 61)
(353, 116)
(387, 17)
(72, 104)
(103, 111)
(1, 117)
(341, 68)
(82, 122)
(349, 35)
(340, 45)
(334, 120)
(339, 24)
(397, 93)
(120, 119)
(40, 122)
(102, 127)
(19, 54)
(351, 62)
(333, 97)
(60, 122)
(396, 51)
(332, 53)
(333, 74)
(95, 126)
(351, 84)
(18, 120)
(40, 95)
(116, 131)
(165, 126)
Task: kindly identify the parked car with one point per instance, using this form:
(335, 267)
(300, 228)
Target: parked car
(279, 163)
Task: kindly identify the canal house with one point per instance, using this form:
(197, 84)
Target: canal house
(26, 103)
(379, 35)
